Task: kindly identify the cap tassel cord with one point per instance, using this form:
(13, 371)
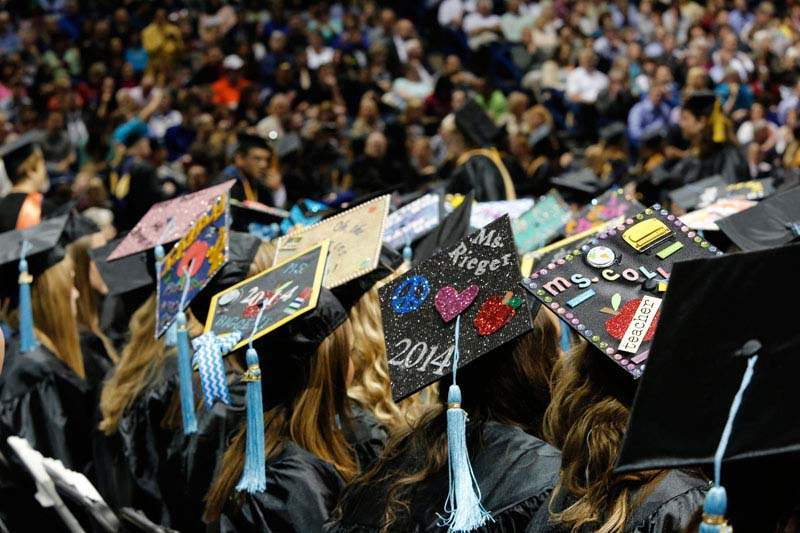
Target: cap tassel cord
(254, 475)
(27, 338)
(185, 366)
(716, 503)
(463, 506)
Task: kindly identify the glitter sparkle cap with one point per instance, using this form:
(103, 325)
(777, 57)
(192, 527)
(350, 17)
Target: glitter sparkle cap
(201, 253)
(609, 289)
(476, 279)
(169, 221)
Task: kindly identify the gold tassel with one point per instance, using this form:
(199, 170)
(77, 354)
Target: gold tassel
(718, 123)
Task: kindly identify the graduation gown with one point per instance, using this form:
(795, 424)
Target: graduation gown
(516, 473)
(484, 172)
(668, 508)
(45, 402)
(726, 161)
(130, 463)
(366, 435)
(302, 491)
(96, 362)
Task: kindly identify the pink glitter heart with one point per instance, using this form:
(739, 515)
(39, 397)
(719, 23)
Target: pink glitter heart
(450, 303)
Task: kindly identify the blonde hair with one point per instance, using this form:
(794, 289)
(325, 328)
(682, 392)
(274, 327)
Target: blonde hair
(308, 420)
(140, 364)
(87, 316)
(143, 357)
(53, 318)
(586, 420)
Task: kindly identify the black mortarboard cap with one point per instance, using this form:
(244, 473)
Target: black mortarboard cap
(253, 215)
(609, 289)
(449, 232)
(700, 103)
(15, 152)
(582, 184)
(47, 247)
(478, 127)
(773, 222)
(715, 308)
(689, 196)
(475, 281)
(127, 274)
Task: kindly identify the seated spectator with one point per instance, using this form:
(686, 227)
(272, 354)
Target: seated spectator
(227, 90)
(650, 115)
(317, 54)
(584, 85)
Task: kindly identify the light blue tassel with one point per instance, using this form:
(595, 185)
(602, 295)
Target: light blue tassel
(185, 377)
(566, 337)
(716, 503)
(27, 338)
(185, 365)
(171, 336)
(254, 476)
(463, 506)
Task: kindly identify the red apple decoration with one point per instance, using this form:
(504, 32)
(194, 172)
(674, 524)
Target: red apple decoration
(618, 324)
(496, 312)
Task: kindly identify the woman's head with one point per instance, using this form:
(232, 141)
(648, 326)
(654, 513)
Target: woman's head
(140, 363)
(53, 297)
(586, 419)
(304, 398)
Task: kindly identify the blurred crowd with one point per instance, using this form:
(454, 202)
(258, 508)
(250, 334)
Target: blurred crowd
(350, 96)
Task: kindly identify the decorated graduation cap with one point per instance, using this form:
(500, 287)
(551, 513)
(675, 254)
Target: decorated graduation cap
(473, 122)
(170, 220)
(449, 232)
(15, 152)
(721, 368)
(356, 236)
(610, 287)
(440, 316)
(710, 190)
(412, 221)
(30, 252)
(541, 223)
(484, 213)
(351, 292)
(609, 206)
(181, 275)
(257, 219)
(773, 222)
(705, 218)
(250, 309)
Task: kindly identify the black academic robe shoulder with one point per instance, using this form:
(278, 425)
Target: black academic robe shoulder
(96, 362)
(480, 174)
(668, 508)
(366, 435)
(516, 473)
(131, 462)
(301, 492)
(192, 459)
(45, 402)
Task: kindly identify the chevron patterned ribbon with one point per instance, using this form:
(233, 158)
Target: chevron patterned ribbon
(208, 351)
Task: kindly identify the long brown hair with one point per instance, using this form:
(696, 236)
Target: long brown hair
(140, 364)
(308, 419)
(142, 359)
(586, 419)
(88, 317)
(53, 317)
(517, 374)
